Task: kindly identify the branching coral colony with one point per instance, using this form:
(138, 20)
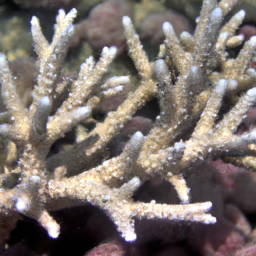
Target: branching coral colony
(202, 73)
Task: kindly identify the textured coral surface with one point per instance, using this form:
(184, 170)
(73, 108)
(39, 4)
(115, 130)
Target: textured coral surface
(140, 151)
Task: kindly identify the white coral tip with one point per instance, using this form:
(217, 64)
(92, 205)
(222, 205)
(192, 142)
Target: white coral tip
(136, 140)
(22, 204)
(194, 74)
(222, 84)
(135, 181)
(224, 35)
(127, 21)
(216, 15)
(251, 136)
(167, 27)
(119, 88)
(104, 50)
(35, 179)
(82, 112)
(53, 229)
(2, 60)
(253, 41)
(133, 184)
(232, 84)
(210, 220)
(241, 14)
(161, 69)
(45, 101)
(112, 51)
(124, 79)
(194, 69)
(185, 199)
(130, 236)
(73, 12)
(185, 35)
(137, 136)
(213, 220)
(34, 21)
(61, 12)
(251, 72)
(241, 37)
(179, 146)
(208, 206)
(252, 92)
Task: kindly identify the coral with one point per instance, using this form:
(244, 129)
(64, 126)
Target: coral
(110, 249)
(103, 27)
(191, 8)
(191, 78)
(151, 25)
(247, 31)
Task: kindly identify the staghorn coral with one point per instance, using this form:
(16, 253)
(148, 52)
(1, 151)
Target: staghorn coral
(189, 78)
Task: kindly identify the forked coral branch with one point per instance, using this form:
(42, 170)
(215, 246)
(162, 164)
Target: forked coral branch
(190, 97)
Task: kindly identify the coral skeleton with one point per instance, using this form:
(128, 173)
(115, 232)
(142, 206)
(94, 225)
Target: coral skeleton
(190, 78)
